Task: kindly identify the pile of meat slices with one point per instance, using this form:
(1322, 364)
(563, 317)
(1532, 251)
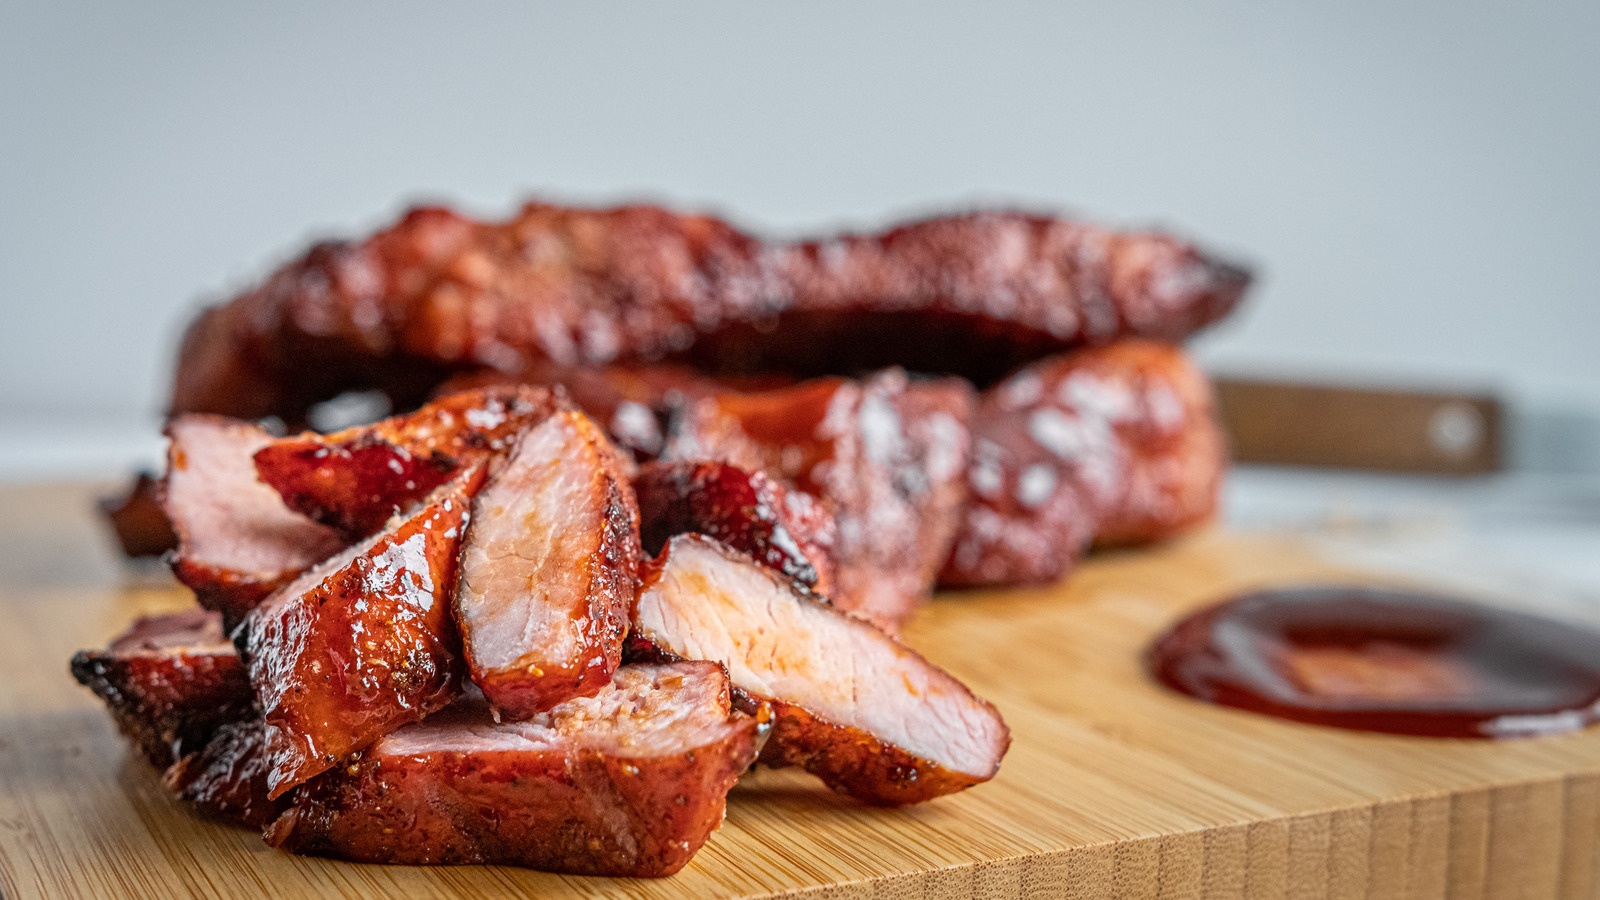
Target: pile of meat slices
(550, 616)
(448, 646)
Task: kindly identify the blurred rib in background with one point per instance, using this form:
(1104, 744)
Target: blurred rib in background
(1415, 181)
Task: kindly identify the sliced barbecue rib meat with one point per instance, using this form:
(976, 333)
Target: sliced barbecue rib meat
(1116, 445)
(886, 453)
(851, 705)
(975, 294)
(169, 681)
(629, 782)
(227, 778)
(140, 524)
(549, 568)
(355, 479)
(362, 643)
(787, 530)
(237, 542)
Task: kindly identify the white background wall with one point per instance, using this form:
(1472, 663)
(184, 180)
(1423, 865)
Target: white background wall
(1418, 182)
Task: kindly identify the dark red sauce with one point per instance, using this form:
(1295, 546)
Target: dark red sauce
(1374, 659)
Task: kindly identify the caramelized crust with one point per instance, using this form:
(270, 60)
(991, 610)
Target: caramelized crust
(169, 682)
(549, 569)
(974, 294)
(789, 531)
(887, 454)
(237, 542)
(355, 479)
(629, 782)
(361, 644)
(1115, 445)
(856, 708)
(227, 778)
(853, 761)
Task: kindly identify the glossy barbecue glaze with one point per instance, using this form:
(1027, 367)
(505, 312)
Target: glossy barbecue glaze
(355, 479)
(888, 454)
(169, 681)
(629, 782)
(549, 569)
(787, 530)
(361, 644)
(1373, 659)
(237, 541)
(854, 707)
(1113, 445)
(974, 294)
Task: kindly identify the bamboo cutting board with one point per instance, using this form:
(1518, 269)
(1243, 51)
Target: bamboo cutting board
(1113, 787)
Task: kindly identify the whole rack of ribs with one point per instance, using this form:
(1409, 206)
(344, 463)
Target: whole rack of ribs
(974, 295)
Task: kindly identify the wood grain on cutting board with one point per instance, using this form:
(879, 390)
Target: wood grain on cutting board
(1114, 787)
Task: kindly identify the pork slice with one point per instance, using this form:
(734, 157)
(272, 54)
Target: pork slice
(361, 644)
(227, 778)
(354, 480)
(888, 455)
(549, 569)
(629, 782)
(976, 294)
(851, 705)
(785, 529)
(169, 681)
(1111, 445)
(237, 542)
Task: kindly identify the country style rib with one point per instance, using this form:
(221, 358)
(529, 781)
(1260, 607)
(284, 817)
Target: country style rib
(1110, 445)
(974, 294)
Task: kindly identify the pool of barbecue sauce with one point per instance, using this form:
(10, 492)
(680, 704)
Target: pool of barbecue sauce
(1373, 659)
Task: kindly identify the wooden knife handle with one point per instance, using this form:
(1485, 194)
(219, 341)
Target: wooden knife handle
(1326, 425)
